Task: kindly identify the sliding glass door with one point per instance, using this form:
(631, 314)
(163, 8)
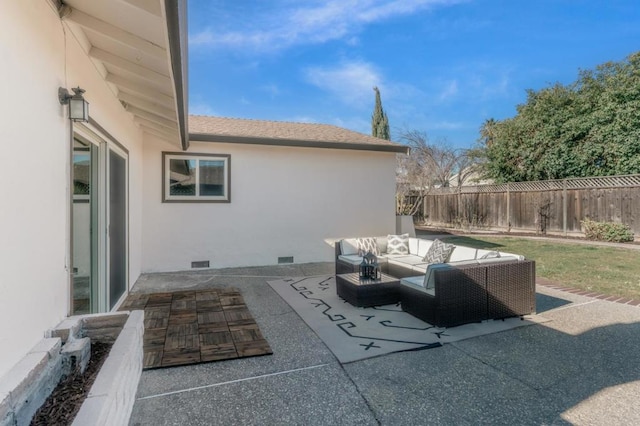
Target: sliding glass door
(99, 224)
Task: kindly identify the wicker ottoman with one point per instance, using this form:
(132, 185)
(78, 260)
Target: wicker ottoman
(384, 291)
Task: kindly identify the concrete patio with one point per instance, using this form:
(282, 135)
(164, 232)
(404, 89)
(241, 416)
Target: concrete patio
(579, 368)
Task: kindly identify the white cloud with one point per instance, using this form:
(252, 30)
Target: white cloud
(446, 125)
(487, 81)
(476, 82)
(301, 119)
(281, 25)
(271, 89)
(351, 82)
(449, 91)
(357, 124)
(201, 108)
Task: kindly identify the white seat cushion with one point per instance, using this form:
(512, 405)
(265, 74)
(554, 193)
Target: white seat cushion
(463, 262)
(420, 268)
(354, 259)
(416, 283)
(405, 260)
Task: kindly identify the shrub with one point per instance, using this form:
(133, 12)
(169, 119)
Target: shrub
(607, 231)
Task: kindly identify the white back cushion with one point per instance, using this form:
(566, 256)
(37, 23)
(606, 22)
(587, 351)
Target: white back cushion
(423, 247)
(429, 278)
(505, 254)
(486, 254)
(382, 244)
(413, 245)
(349, 246)
(462, 253)
(497, 260)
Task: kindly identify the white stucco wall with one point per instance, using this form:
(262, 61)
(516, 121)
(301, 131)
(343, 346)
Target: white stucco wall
(284, 202)
(37, 58)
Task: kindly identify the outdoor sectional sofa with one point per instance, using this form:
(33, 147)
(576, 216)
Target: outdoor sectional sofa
(470, 285)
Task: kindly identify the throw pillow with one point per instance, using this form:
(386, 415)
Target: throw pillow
(398, 244)
(439, 252)
(366, 245)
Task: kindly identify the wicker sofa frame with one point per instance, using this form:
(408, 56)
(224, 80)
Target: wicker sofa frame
(466, 293)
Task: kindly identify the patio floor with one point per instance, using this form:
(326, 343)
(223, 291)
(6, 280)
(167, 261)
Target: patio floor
(579, 368)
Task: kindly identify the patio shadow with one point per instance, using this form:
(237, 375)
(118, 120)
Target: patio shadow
(547, 303)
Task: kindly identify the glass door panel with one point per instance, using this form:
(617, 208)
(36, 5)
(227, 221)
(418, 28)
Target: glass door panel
(84, 281)
(117, 228)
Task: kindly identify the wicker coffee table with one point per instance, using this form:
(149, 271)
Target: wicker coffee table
(384, 291)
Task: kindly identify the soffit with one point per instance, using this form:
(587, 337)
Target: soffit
(132, 43)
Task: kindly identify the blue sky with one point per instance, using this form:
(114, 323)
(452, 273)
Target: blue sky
(442, 66)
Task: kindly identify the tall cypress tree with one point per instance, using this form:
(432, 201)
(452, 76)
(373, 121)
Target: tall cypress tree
(379, 120)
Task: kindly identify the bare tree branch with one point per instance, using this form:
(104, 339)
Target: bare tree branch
(427, 166)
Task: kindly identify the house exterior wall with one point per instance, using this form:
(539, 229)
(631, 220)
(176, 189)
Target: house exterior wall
(285, 201)
(39, 55)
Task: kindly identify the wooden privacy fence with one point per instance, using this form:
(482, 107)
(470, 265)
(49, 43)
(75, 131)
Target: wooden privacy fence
(556, 206)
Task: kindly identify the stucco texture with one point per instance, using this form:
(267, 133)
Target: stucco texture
(285, 201)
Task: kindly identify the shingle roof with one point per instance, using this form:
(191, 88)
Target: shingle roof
(235, 130)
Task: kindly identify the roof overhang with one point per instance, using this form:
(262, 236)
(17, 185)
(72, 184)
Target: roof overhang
(208, 137)
(140, 49)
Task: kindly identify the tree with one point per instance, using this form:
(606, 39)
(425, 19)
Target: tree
(588, 128)
(427, 166)
(379, 120)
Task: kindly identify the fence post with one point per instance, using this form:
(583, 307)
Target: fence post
(564, 207)
(424, 209)
(508, 208)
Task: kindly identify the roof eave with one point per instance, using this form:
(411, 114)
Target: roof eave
(176, 14)
(209, 137)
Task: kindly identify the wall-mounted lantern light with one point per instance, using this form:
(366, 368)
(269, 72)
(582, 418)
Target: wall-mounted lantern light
(78, 107)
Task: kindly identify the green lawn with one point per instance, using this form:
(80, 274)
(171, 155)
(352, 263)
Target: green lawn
(607, 270)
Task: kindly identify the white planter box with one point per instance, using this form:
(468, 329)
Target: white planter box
(404, 225)
(110, 400)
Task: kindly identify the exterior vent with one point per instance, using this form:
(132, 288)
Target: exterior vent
(288, 259)
(200, 264)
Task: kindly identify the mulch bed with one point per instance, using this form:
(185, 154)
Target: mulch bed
(64, 402)
(189, 327)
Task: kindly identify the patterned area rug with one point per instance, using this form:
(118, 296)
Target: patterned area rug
(353, 333)
(189, 327)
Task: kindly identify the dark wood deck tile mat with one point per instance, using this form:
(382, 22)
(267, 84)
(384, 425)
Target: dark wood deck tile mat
(189, 327)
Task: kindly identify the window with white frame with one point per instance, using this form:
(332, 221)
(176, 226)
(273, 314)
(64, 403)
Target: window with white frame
(196, 177)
